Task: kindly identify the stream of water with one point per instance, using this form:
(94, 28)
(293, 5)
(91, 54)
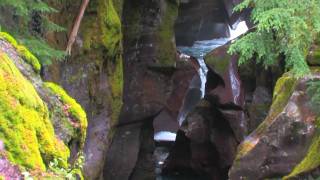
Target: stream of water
(195, 93)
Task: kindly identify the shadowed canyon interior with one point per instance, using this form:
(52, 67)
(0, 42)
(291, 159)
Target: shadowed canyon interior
(159, 89)
(176, 88)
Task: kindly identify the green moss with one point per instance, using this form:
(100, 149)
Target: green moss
(166, 49)
(23, 51)
(310, 161)
(118, 5)
(219, 63)
(104, 35)
(110, 25)
(8, 38)
(283, 90)
(72, 106)
(25, 127)
(281, 95)
(105, 31)
(115, 77)
(2, 177)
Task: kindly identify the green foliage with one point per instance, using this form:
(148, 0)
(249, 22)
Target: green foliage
(29, 23)
(70, 173)
(72, 107)
(42, 50)
(286, 27)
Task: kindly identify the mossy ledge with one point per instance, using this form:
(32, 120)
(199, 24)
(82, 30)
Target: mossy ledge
(23, 51)
(79, 116)
(25, 127)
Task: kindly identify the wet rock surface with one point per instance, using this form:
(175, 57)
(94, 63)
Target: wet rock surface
(210, 141)
(93, 73)
(149, 65)
(283, 138)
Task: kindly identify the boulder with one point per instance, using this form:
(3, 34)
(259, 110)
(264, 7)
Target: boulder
(40, 122)
(285, 140)
(209, 141)
(230, 92)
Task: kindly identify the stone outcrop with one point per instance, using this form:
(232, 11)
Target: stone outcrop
(149, 63)
(207, 145)
(93, 74)
(282, 145)
(38, 125)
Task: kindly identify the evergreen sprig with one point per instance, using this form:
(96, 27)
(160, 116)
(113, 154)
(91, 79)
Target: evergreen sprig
(286, 27)
(25, 13)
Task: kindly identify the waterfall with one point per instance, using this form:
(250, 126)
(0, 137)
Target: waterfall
(165, 136)
(197, 86)
(240, 29)
(199, 50)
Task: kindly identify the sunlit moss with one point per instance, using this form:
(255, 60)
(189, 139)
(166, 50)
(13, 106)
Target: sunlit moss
(71, 106)
(23, 51)
(25, 127)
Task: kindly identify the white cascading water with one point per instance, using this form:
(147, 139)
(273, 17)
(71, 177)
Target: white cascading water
(199, 50)
(240, 29)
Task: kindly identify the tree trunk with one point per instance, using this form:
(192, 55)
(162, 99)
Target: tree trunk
(76, 26)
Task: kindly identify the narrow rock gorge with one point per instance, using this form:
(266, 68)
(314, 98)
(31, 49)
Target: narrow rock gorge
(159, 89)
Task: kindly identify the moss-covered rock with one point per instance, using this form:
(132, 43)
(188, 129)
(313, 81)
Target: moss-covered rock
(167, 45)
(286, 143)
(219, 60)
(93, 74)
(23, 51)
(77, 114)
(310, 162)
(26, 129)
